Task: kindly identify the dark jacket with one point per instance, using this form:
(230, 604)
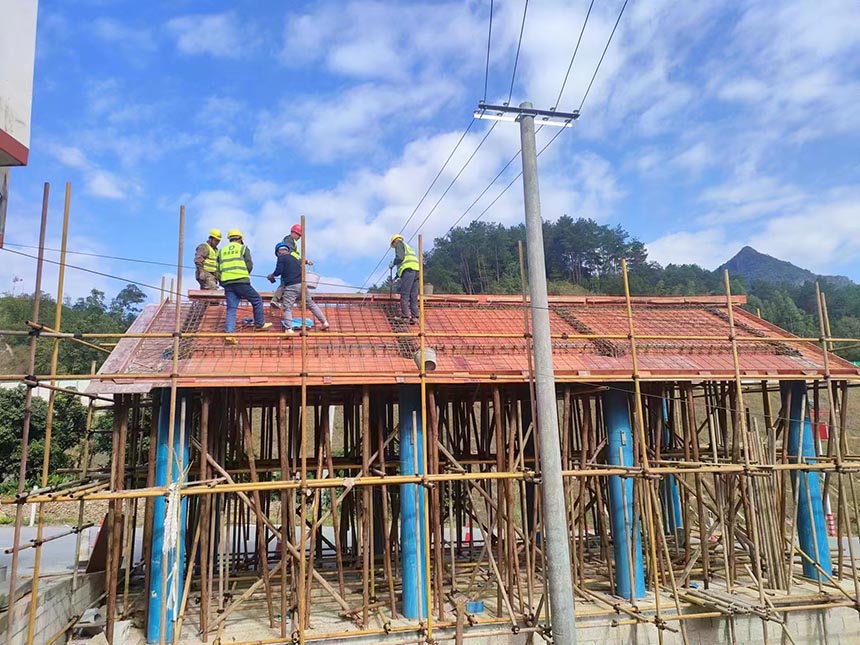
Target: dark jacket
(290, 270)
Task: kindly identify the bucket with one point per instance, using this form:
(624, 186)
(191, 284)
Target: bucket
(429, 359)
(312, 280)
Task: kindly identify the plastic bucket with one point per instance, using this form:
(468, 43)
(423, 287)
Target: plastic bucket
(429, 359)
(312, 280)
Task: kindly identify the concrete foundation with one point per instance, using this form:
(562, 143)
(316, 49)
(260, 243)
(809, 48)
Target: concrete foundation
(57, 605)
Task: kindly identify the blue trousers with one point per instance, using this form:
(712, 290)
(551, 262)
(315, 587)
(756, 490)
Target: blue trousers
(237, 292)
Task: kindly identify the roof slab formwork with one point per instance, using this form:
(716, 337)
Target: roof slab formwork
(475, 339)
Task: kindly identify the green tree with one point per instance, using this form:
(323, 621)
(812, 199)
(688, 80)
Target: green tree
(69, 429)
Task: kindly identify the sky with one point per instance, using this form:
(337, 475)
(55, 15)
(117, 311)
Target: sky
(709, 126)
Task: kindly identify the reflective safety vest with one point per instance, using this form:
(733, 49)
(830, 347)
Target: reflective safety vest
(410, 260)
(232, 261)
(210, 264)
(293, 246)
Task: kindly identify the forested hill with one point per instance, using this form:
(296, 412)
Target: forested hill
(91, 314)
(583, 256)
(752, 266)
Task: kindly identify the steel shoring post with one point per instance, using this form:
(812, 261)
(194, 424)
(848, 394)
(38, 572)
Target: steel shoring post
(555, 533)
(428, 590)
(28, 406)
(285, 531)
(643, 446)
(171, 453)
(740, 414)
(841, 444)
(49, 421)
(302, 617)
(85, 461)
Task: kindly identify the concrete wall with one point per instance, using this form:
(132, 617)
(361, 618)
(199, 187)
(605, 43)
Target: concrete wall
(56, 607)
(838, 625)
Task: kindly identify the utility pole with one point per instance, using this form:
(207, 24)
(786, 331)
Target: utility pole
(555, 534)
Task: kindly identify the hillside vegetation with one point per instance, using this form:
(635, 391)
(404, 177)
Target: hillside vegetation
(583, 256)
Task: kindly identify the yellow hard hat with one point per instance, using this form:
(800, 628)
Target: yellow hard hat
(216, 233)
(234, 232)
(395, 237)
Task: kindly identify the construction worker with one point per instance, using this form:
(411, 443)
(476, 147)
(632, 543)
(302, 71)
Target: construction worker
(289, 269)
(406, 262)
(206, 261)
(234, 268)
(292, 242)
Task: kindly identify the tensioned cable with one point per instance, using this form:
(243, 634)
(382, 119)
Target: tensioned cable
(93, 271)
(453, 181)
(517, 57)
(573, 58)
(423, 197)
(605, 49)
(172, 265)
(489, 39)
(505, 189)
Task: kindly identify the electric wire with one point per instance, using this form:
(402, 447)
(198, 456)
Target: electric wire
(605, 49)
(489, 39)
(517, 57)
(92, 271)
(573, 57)
(453, 181)
(139, 261)
(570, 66)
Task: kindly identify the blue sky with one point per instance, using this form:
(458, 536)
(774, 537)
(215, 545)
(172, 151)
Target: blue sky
(711, 125)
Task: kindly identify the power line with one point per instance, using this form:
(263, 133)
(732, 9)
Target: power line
(573, 58)
(423, 197)
(551, 141)
(600, 62)
(517, 57)
(139, 261)
(520, 174)
(453, 181)
(489, 39)
(93, 271)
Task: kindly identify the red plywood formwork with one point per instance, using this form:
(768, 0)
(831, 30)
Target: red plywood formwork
(476, 338)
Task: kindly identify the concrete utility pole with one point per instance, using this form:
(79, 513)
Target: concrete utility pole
(555, 535)
(552, 486)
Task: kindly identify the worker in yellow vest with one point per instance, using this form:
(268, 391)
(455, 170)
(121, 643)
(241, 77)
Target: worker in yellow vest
(406, 262)
(206, 261)
(234, 267)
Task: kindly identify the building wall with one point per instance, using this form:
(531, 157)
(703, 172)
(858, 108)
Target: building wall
(17, 58)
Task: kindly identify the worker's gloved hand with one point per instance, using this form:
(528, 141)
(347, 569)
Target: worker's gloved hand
(391, 264)
(310, 263)
(270, 278)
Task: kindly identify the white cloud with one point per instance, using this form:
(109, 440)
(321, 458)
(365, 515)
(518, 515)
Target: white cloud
(133, 42)
(708, 248)
(821, 234)
(383, 40)
(221, 112)
(744, 198)
(98, 182)
(220, 35)
(101, 183)
(328, 128)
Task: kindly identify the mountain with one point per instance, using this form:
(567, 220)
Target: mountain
(755, 266)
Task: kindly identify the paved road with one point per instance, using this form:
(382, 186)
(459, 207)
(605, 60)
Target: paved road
(57, 555)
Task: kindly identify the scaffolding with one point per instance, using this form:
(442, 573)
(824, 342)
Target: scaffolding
(276, 513)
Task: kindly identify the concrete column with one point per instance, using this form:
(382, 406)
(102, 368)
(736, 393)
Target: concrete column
(160, 558)
(412, 500)
(811, 527)
(627, 544)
